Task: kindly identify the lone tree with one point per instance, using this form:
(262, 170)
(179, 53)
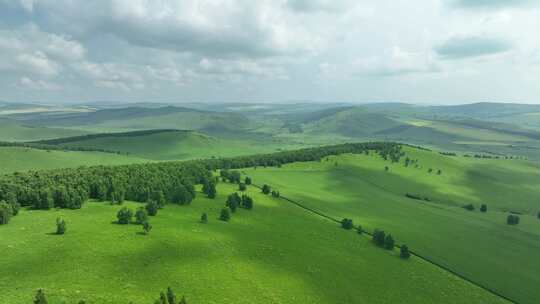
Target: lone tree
(346, 224)
(60, 226)
(225, 215)
(247, 202)
(151, 208)
(204, 218)
(40, 297)
(379, 237)
(404, 252)
(266, 189)
(389, 242)
(141, 216)
(483, 208)
(171, 297)
(512, 219)
(5, 212)
(146, 227)
(124, 216)
(209, 188)
(233, 201)
(247, 180)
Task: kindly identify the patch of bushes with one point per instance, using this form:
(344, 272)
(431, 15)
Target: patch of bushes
(512, 219)
(469, 207)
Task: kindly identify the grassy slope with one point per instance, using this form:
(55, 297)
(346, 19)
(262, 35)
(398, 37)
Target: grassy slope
(13, 131)
(276, 253)
(24, 159)
(480, 246)
(177, 145)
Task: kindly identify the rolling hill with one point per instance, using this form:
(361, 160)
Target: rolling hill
(11, 130)
(275, 253)
(480, 246)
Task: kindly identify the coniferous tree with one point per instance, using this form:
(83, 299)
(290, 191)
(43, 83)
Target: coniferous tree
(60, 226)
(124, 216)
(389, 242)
(247, 180)
(152, 208)
(40, 297)
(171, 297)
(225, 215)
(141, 216)
(404, 252)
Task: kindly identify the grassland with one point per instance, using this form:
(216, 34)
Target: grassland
(276, 253)
(478, 245)
(23, 159)
(179, 145)
(14, 131)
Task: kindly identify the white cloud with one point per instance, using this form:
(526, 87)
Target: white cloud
(396, 62)
(28, 83)
(37, 63)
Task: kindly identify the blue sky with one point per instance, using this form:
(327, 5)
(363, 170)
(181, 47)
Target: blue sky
(435, 51)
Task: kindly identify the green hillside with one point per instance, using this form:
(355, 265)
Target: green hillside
(11, 130)
(171, 144)
(275, 253)
(24, 159)
(139, 118)
(480, 246)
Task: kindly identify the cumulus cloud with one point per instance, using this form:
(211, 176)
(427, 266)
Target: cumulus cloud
(473, 46)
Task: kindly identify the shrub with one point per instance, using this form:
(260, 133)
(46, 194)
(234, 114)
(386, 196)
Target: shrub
(5, 212)
(152, 208)
(124, 216)
(171, 297)
(241, 187)
(347, 224)
(483, 208)
(247, 180)
(469, 207)
(141, 216)
(60, 226)
(40, 297)
(512, 219)
(204, 218)
(225, 215)
(146, 227)
(538, 215)
(275, 193)
(359, 229)
(404, 252)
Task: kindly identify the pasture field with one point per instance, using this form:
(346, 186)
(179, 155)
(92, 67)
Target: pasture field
(480, 246)
(275, 253)
(15, 159)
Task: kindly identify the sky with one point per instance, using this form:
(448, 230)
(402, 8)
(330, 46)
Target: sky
(422, 51)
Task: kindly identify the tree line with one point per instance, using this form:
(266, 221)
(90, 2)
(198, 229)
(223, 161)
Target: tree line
(166, 181)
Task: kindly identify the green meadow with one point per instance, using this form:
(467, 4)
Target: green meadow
(275, 253)
(15, 159)
(480, 246)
